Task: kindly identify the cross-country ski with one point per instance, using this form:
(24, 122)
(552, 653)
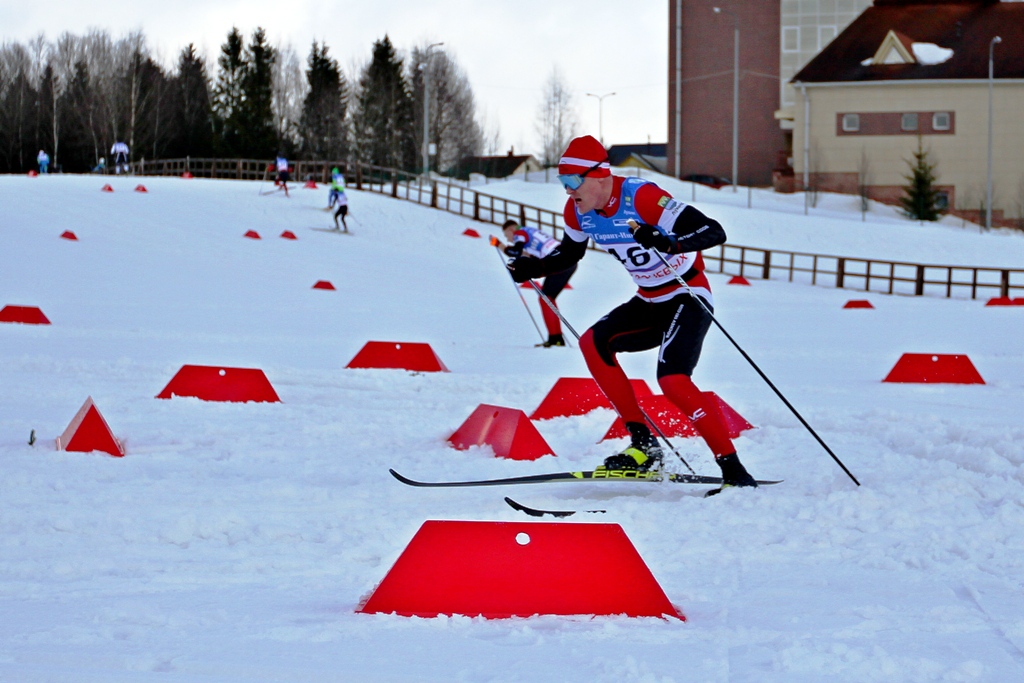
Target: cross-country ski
(583, 476)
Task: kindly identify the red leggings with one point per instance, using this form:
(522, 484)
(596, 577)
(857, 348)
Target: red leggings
(679, 389)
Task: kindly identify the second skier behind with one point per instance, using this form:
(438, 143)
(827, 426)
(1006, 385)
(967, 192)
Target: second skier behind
(533, 243)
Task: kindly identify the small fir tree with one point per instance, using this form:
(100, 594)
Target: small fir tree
(921, 196)
(383, 121)
(259, 139)
(323, 110)
(229, 96)
(191, 106)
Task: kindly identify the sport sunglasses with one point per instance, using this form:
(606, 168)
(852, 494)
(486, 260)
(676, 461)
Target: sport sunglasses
(572, 181)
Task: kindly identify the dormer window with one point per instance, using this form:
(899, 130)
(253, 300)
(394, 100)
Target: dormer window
(895, 49)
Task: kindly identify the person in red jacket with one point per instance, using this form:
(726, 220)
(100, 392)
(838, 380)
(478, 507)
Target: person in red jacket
(662, 314)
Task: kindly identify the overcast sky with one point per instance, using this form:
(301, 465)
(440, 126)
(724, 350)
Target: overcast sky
(507, 47)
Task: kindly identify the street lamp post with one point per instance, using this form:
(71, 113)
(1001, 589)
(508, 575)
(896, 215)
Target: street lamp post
(988, 181)
(600, 113)
(735, 94)
(426, 108)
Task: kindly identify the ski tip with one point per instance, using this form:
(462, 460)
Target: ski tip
(516, 506)
(399, 477)
(538, 513)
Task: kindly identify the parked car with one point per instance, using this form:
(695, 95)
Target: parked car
(709, 180)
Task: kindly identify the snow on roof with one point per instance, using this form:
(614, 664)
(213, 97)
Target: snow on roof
(930, 53)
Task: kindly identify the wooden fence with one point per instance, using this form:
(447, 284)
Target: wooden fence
(842, 272)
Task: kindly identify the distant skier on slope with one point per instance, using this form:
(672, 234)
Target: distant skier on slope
(120, 152)
(532, 243)
(338, 197)
(282, 173)
(662, 313)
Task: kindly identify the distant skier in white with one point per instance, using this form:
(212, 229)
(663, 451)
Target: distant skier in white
(120, 152)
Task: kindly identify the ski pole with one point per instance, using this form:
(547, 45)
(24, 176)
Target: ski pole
(633, 225)
(495, 243)
(554, 309)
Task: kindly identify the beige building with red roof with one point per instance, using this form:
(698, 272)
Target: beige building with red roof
(909, 71)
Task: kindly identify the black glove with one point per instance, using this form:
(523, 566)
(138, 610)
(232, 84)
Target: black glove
(525, 268)
(650, 237)
(514, 250)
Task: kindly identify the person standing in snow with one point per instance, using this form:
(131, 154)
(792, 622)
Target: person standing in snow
(282, 173)
(338, 197)
(532, 243)
(44, 162)
(120, 152)
(661, 314)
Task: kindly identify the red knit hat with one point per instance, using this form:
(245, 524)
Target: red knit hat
(581, 154)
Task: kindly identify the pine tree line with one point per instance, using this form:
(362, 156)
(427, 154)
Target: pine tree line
(76, 96)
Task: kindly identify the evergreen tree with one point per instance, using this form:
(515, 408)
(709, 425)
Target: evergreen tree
(323, 110)
(17, 118)
(259, 140)
(47, 121)
(919, 202)
(383, 123)
(229, 96)
(78, 149)
(192, 109)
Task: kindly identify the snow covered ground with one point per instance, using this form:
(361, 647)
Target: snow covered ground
(235, 541)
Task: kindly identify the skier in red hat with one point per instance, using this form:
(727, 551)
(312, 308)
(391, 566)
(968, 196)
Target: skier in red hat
(662, 314)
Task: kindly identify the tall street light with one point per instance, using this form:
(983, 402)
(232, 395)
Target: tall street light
(600, 113)
(735, 93)
(988, 181)
(426, 107)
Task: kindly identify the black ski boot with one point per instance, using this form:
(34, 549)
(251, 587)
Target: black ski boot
(733, 474)
(643, 454)
(553, 340)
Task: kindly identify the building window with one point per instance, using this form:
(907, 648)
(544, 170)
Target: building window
(790, 38)
(909, 121)
(942, 200)
(940, 120)
(825, 36)
(851, 123)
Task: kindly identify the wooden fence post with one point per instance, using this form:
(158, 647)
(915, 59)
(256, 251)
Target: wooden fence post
(766, 272)
(433, 194)
(840, 273)
(919, 282)
(522, 215)
(394, 184)
(476, 206)
(1004, 283)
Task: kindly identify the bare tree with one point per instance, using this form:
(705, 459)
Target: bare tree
(815, 164)
(289, 88)
(1020, 204)
(453, 125)
(492, 135)
(557, 119)
(864, 183)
